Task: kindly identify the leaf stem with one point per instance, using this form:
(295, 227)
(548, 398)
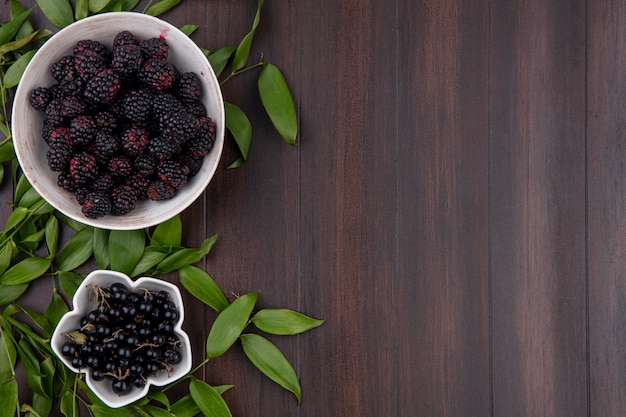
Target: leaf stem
(189, 375)
(241, 71)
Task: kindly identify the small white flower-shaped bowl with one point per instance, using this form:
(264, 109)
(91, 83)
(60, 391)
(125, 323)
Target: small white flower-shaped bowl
(27, 123)
(83, 304)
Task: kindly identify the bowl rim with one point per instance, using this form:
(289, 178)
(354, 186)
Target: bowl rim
(189, 195)
(71, 318)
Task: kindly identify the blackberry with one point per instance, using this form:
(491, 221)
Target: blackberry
(165, 104)
(58, 155)
(65, 181)
(162, 147)
(203, 142)
(180, 127)
(156, 74)
(155, 48)
(145, 165)
(189, 87)
(104, 183)
(120, 166)
(191, 164)
(103, 87)
(127, 59)
(72, 106)
(136, 105)
(96, 205)
(46, 130)
(83, 167)
(54, 112)
(134, 140)
(90, 45)
(172, 173)
(39, 98)
(80, 194)
(160, 190)
(124, 38)
(106, 119)
(105, 145)
(123, 200)
(60, 133)
(196, 109)
(83, 130)
(140, 183)
(64, 69)
(89, 63)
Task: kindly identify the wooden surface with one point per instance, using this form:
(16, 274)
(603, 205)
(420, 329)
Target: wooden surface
(455, 209)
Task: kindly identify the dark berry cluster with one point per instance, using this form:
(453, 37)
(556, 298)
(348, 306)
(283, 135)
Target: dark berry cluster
(127, 338)
(122, 124)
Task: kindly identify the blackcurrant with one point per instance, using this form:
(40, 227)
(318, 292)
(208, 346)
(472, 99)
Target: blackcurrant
(68, 349)
(120, 386)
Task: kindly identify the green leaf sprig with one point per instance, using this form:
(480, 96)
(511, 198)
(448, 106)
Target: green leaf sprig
(31, 249)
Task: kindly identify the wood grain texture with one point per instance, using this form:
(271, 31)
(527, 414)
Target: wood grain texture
(454, 208)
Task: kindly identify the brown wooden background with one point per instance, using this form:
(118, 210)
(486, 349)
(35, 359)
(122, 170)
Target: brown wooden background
(456, 209)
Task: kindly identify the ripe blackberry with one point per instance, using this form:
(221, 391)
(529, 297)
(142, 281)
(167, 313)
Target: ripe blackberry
(189, 87)
(162, 147)
(155, 48)
(145, 165)
(179, 126)
(65, 181)
(196, 109)
(89, 63)
(104, 183)
(140, 183)
(134, 140)
(156, 74)
(83, 130)
(191, 164)
(171, 172)
(54, 112)
(124, 38)
(160, 190)
(81, 193)
(105, 145)
(90, 45)
(72, 106)
(203, 142)
(59, 133)
(103, 87)
(96, 205)
(165, 104)
(39, 98)
(127, 59)
(83, 167)
(106, 119)
(58, 155)
(123, 200)
(64, 69)
(136, 105)
(120, 166)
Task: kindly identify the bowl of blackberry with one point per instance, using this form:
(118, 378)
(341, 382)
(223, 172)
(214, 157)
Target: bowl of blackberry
(118, 121)
(124, 336)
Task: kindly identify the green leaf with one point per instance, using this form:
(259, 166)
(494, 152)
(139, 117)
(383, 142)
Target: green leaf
(29, 198)
(278, 102)
(239, 126)
(41, 404)
(125, 249)
(159, 396)
(70, 281)
(39, 319)
(219, 59)
(243, 49)
(161, 7)
(69, 406)
(101, 247)
(7, 153)
(8, 358)
(26, 28)
(8, 394)
(16, 216)
(229, 325)
(56, 309)
(129, 4)
(9, 29)
(101, 410)
(10, 293)
(52, 235)
(81, 10)
(169, 232)
(185, 407)
(96, 6)
(19, 44)
(158, 411)
(149, 259)
(188, 29)
(34, 237)
(271, 361)
(282, 321)
(203, 287)
(58, 12)
(6, 254)
(76, 251)
(208, 400)
(186, 256)
(15, 71)
(31, 366)
(1, 172)
(237, 163)
(25, 271)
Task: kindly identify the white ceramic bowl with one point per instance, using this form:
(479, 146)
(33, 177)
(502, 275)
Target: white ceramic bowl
(30, 148)
(82, 305)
